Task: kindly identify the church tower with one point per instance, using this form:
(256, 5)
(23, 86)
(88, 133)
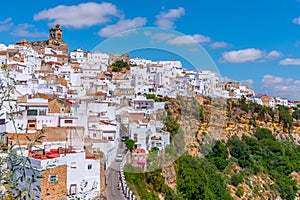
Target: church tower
(58, 33)
(55, 40)
(55, 33)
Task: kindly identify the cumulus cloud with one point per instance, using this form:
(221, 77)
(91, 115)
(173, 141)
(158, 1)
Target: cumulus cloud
(81, 15)
(244, 55)
(189, 39)
(290, 61)
(283, 87)
(273, 54)
(218, 45)
(296, 20)
(166, 19)
(248, 55)
(6, 24)
(122, 25)
(27, 30)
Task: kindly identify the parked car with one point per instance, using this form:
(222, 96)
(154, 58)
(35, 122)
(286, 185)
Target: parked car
(119, 158)
(124, 138)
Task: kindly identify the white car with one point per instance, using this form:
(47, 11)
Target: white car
(119, 158)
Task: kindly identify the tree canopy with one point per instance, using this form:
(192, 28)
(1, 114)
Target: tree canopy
(130, 144)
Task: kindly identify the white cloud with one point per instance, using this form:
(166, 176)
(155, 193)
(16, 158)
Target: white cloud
(245, 55)
(122, 25)
(226, 79)
(166, 19)
(6, 24)
(218, 45)
(249, 55)
(189, 39)
(273, 54)
(249, 82)
(27, 30)
(290, 61)
(283, 87)
(163, 36)
(81, 15)
(296, 20)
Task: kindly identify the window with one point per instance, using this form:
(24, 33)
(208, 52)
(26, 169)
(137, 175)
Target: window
(90, 166)
(32, 112)
(68, 121)
(73, 165)
(53, 179)
(135, 137)
(31, 125)
(73, 188)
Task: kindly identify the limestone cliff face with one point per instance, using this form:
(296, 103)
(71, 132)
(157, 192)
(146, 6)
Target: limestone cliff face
(220, 121)
(260, 183)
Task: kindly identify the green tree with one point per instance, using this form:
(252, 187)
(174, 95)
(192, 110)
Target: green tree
(284, 116)
(171, 125)
(147, 185)
(243, 104)
(239, 191)
(154, 97)
(236, 179)
(219, 155)
(296, 114)
(130, 144)
(119, 64)
(154, 150)
(240, 150)
(116, 69)
(195, 178)
(264, 133)
(252, 144)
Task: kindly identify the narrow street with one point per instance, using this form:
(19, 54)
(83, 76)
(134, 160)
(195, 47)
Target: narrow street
(112, 178)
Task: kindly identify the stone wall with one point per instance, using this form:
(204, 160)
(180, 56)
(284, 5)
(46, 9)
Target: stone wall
(57, 190)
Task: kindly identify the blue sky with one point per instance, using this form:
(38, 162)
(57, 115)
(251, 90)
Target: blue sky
(256, 42)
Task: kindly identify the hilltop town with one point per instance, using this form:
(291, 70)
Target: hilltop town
(71, 110)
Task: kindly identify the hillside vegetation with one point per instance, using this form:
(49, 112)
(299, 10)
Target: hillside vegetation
(255, 154)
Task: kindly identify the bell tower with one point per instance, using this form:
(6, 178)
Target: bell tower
(58, 33)
(55, 33)
(55, 40)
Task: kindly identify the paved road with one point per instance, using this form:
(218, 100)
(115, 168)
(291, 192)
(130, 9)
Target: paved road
(112, 179)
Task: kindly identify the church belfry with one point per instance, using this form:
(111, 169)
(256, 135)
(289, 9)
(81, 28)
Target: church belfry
(55, 41)
(55, 33)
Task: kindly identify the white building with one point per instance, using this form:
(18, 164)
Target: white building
(77, 56)
(53, 165)
(148, 135)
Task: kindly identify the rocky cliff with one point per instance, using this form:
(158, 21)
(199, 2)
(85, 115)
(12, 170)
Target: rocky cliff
(205, 120)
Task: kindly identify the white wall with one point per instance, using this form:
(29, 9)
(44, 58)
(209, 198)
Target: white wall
(64, 124)
(48, 120)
